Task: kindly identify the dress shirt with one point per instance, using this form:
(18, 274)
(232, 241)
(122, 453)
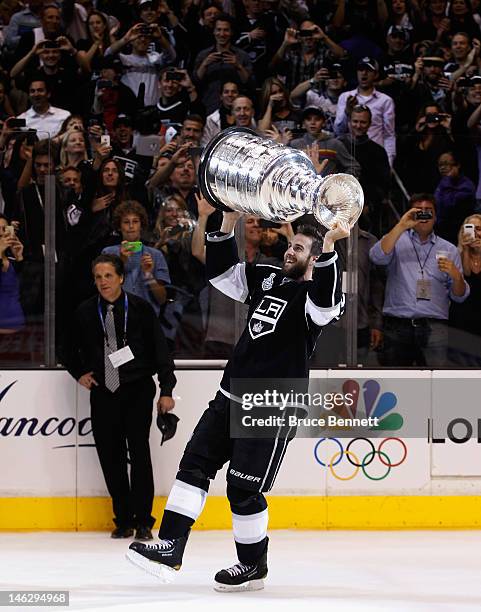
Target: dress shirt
(84, 346)
(50, 122)
(382, 129)
(134, 281)
(21, 22)
(403, 272)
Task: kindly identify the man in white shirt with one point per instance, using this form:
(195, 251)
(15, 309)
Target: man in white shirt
(382, 129)
(41, 116)
(143, 66)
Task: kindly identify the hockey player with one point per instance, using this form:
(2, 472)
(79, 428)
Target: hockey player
(287, 308)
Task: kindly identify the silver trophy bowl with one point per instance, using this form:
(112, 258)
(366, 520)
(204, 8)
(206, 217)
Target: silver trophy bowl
(242, 171)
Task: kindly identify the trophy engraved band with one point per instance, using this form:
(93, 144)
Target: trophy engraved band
(242, 171)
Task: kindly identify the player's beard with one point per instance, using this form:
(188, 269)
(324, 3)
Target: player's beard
(296, 270)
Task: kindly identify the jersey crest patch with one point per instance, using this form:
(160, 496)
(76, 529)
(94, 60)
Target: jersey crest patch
(265, 317)
(268, 282)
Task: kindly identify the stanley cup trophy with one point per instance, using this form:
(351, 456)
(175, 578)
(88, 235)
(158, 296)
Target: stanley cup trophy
(242, 171)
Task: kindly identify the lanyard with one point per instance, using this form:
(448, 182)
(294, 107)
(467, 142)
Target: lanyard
(102, 320)
(421, 265)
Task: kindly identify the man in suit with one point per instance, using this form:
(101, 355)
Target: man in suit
(114, 347)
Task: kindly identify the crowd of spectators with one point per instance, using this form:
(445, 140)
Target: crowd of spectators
(116, 99)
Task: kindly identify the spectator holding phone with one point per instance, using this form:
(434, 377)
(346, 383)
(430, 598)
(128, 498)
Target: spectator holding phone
(420, 150)
(220, 63)
(110, 97)
(303, 53)
(50, 29)
(424, 274)
(142, 66)
(146, 270)
(464, 317)
(323, 91)
(53, 61)
(178, 96)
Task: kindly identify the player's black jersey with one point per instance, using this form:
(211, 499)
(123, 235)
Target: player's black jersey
(285, 316)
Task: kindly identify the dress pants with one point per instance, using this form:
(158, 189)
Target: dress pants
(121, 424)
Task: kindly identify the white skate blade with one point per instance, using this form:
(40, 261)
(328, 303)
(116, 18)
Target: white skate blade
(251, 585)
(163, 572)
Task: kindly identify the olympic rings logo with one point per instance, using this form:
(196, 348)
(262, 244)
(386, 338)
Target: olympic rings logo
(353, 459)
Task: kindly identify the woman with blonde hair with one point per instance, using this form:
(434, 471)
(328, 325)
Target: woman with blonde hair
(73, 149)
(465, 318)
(275, 107)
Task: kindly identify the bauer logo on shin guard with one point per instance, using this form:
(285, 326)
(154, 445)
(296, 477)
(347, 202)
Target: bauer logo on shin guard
(265, 316)
(244, 476)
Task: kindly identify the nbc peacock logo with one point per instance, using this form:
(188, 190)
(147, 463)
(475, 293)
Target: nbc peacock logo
(375, 404)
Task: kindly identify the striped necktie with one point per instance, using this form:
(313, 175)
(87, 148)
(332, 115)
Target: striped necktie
(112, 380)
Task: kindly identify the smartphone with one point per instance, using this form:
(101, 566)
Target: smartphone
(306, 33)
(422, 215)
(105, 140)
(51, 44)
(174, 75)
(148, 146)
(468, 230)
(104, 84)
(195, 150)
(134, 247)
(16, 123)
(265, 224)
(10, 230)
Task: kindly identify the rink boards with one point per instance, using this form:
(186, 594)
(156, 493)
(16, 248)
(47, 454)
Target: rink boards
(51, 477)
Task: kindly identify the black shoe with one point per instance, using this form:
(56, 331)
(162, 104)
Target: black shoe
(242, 576)
(143, 534)
(122, 532)
(162, 559)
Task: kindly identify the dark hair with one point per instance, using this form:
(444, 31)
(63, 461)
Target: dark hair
(120, 189)
(114, 260)
(422, 197)
(2, 216)
(234, 81)
(47, 6)
(311, 231)
(193, 117)
(38, 76)
(106, 34)
(130, 207)
(225, 17)
(44, 147)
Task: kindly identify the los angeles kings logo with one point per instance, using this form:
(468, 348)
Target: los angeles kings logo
(265, 317)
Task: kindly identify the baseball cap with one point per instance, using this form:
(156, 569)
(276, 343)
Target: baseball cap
(167, 423)
(398, 30)
(110, 61)
(433, 54)
(123, 120)
(312, 110)
(368, 62)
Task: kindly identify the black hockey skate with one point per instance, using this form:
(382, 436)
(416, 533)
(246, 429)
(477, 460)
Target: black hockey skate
(161, 560)
(242, 577)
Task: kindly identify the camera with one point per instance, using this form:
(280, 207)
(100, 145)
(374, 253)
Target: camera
(423, 215)
(433, 118)
(51, 44)
(306, 33)
(16, 124)
(174, 75)
(104, 84)
(145, 30)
